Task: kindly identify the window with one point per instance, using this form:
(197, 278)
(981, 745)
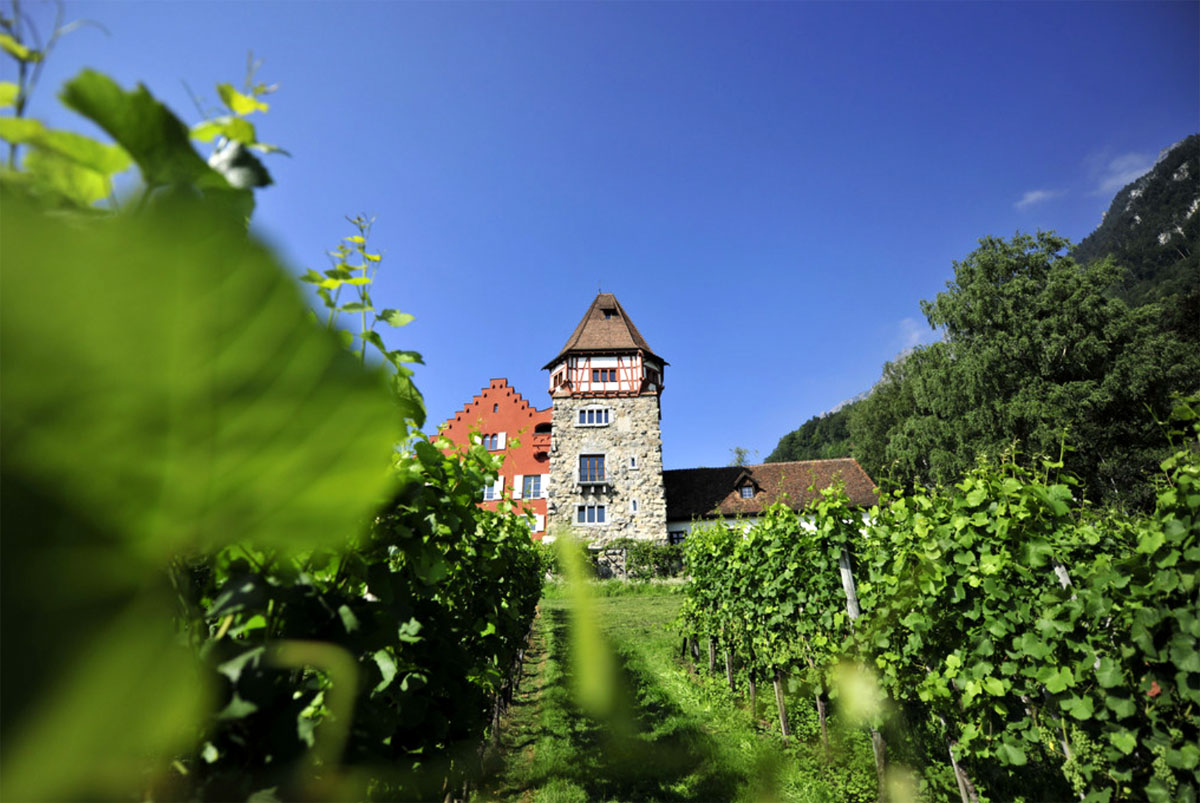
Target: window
(589, 514)
(558, 379)
(532, 486)
(747, 491)
(591, 468)
(489, 493)
(593, 417)
(491, 442)
(604, 374)
(633, 462)
(676, 536)
(495, 408)
(609, 313)
(633, 506)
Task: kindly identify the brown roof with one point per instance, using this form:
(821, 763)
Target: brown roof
(598, 334)
(701, 493)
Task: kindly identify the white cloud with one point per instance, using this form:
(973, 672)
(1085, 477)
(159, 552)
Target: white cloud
(915, 332)
(1036, 197)
(1122, 170)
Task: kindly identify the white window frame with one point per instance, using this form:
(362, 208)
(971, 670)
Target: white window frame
(596, 411)
(599, 514)
(743, 491)
(526, 479)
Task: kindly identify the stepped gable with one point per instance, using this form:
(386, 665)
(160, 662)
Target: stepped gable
(705, 493)
(602, 332)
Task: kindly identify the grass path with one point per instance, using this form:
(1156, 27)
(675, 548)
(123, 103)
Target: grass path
(669, 735)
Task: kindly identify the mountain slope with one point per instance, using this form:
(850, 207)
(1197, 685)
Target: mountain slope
(1152, 228)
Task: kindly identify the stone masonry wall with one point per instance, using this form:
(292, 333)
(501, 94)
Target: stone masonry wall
(632, 432)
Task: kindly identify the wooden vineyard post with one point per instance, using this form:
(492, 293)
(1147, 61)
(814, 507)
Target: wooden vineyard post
(779, 703)
(753, 697)
(728, 662)
(818, 695)
(712, 655)
(878, 746)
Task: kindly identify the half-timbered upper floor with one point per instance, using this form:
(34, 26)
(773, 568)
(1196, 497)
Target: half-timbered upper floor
(606, 355)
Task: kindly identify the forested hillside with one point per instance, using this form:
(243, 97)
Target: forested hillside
(1046, 348)
(819, 438)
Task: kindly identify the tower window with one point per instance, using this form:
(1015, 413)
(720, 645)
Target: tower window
(633, 506)
(590, 514)
(609, 314)
(604, 374)
(633, 461)
(593, 417)
(591, 468)
(495, 408)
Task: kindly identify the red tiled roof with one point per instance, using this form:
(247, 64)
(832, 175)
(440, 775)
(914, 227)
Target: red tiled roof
(598, 334)
(700, 493)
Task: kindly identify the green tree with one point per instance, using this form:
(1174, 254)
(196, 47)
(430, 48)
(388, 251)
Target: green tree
(1036, 351)
(819, 438)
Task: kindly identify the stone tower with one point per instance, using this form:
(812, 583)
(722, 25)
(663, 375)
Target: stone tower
(606, 449)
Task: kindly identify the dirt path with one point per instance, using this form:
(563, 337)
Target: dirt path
(661, 740)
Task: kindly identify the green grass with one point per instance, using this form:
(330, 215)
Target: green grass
(667, 734)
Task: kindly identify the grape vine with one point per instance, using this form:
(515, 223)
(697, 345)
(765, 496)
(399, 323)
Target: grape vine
(1038, 646)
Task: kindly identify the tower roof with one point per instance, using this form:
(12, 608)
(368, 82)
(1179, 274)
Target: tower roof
(605, 328)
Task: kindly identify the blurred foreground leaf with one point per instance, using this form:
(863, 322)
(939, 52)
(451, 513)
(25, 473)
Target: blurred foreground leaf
(164, 394)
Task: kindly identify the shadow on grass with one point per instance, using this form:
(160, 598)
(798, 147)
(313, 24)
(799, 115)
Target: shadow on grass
(648, 749)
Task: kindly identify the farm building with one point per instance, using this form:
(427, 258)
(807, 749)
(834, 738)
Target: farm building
(592, 461)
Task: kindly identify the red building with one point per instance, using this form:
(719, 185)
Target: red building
(509, 425)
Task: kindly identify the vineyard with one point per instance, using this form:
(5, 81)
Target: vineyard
(996, 636)
(233, 566)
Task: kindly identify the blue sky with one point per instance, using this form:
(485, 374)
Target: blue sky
(769, 189)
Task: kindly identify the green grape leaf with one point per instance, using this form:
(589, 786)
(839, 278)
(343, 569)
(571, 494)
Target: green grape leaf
(1108, 673)
(8, 94)
(396, 318)
(65, 177)
(1078, 707)
(1056, 679)
(1123, 740)
(131, 671)
(210, 409)
(387, 668)
(19, 130)
(145, 128)
(234, 128)
(105, 160)
(1121, 706)
(1011, 754)
(239, 103)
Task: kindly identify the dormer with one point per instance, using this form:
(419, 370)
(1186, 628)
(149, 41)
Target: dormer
(745, 486)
